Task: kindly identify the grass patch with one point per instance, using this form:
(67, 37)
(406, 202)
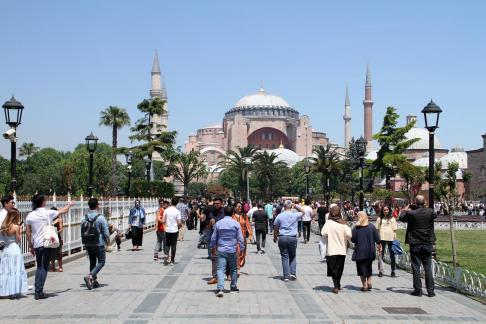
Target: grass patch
(470, 246)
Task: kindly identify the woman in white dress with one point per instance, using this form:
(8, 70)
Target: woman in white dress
(13, 278)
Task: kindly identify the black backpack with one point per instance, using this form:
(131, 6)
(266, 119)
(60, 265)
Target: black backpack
(90, 235)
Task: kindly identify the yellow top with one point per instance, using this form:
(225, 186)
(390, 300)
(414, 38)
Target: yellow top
(387, 228)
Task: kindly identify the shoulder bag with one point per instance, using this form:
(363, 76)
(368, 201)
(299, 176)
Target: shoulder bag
(51, 238)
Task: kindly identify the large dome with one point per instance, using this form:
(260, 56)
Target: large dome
(286, 155)
(423, 143)
(262, 99)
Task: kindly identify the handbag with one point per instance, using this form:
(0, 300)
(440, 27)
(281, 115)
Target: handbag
(128, 234)
(323, 247)
(396, 247)
(51, 237)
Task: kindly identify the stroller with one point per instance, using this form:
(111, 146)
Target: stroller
(204, 240)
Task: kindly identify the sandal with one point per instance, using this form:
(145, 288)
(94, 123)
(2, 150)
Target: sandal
(60, 270)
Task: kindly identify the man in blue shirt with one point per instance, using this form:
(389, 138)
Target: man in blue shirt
(96, 252)
(225, 239)
(285, 230)
(269, 211)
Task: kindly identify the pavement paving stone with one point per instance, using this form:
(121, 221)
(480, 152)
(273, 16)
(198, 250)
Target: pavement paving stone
(136, 289)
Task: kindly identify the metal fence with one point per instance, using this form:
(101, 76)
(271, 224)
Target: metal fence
(115, 210)
(463, 280)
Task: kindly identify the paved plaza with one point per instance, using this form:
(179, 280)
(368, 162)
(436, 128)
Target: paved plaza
(136, 289)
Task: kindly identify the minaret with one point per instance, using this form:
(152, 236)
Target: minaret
(368, 110)
(157, 90)
(347, 120)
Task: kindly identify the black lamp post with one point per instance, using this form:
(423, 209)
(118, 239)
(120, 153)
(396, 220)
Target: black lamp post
(13, 117)
(148, 164)
(361, 146)
(129, 158)
(327, 164)
(431, 114)
(247, 162)
(91, 142)
(307, 170)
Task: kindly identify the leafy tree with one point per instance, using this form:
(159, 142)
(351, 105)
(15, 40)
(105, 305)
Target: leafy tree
(27, 150)
(234, 162)
(154, 188)
(335, 170)
(197, 189)
(188, 167)
(414, 177)
(4, 175)
(114, 117)
(393, 143)
(267, 170)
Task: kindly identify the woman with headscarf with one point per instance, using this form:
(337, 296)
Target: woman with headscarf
(338, 234)
(246, 230)
(136, 220)
(365, 238)
(387, 227)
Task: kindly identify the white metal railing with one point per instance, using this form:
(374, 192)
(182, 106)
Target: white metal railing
(115, 210)
(462, 280)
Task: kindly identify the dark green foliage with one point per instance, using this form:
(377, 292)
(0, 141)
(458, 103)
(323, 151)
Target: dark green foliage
(155, 188)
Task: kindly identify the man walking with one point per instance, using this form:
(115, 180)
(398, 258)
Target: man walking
(421, 237)
(95, 245)
(159, 230)
(226, 236)
(269, 210)
(215, 214)
(285, 230)
(307, 218)
(184, 210)
(260, 218)
(36, 221)
(172, 222)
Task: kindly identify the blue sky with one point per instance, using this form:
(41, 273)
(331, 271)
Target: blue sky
(68, 60)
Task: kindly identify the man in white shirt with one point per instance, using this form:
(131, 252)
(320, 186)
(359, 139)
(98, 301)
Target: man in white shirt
(8, 202)
(172, 222)
(308, 216)
(36, 220)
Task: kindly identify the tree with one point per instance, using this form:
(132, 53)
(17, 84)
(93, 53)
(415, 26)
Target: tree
(414, 177)
(188, 167)
(27, 150)
(267, 170)
(116, 118)
(393, 143)
(323, 153)
(234, 161)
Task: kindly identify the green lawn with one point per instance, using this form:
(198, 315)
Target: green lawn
(470, 245)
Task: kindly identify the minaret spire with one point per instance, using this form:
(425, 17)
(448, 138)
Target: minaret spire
(157, 88)
(347, 120)
(368, 110)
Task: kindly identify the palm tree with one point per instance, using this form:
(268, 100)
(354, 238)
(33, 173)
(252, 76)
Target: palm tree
(116, 118)
(267, 169)
(27, 150)
(327, 163)
(235, 161)
(187, 167)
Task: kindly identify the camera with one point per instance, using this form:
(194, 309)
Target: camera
(10, 134)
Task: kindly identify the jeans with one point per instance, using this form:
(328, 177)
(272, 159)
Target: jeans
(422, 254)
(223, 259)
(288, 246)
(270, 223)
(159, 245)
(306, 227)
(320, 223)
(263, 235)
(381, 263)
(299, 227)
(97, 257)
(171, 244)
(42, 257)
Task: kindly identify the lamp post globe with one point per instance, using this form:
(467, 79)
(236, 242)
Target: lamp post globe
(13, 117)
(431, 115)
(361, 144)
(91, 143)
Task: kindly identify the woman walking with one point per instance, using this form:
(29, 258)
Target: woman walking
(387, 227)
(245, 230)
(338, 234)
(56, 253)
(136, 220)
(13, 278)
(365, 237)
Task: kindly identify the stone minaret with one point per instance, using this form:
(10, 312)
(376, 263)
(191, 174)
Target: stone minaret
(368, 110)
(347, 120)
(157, 90)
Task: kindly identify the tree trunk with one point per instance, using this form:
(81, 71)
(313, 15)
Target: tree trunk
(113, 160)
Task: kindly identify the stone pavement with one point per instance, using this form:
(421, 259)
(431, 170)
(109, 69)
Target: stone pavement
(136, 289)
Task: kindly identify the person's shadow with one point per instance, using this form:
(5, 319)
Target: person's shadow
(323, 288)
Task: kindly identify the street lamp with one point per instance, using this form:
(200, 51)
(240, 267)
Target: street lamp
(327, 164)
(431, 115)
(247, 162)
(361, 146)
(91, 142)
(148, 164)
(307, 170)
(13, 117)
(129, 158)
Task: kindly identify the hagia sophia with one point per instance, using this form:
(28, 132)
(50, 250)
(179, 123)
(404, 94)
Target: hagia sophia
(269, 122)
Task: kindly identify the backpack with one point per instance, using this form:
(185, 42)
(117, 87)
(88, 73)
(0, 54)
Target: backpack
(90, 235)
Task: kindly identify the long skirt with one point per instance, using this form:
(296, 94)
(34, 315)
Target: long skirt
(13, 278)
(363, 267)
(137, 236)
(335, 266)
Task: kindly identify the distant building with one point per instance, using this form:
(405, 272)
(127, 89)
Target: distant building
(477, 167)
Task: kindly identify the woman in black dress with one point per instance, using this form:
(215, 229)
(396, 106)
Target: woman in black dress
(365, 238)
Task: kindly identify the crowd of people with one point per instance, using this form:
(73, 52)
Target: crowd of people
(226, 229)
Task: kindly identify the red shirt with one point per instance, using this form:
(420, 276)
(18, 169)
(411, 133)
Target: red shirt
(160, 225)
